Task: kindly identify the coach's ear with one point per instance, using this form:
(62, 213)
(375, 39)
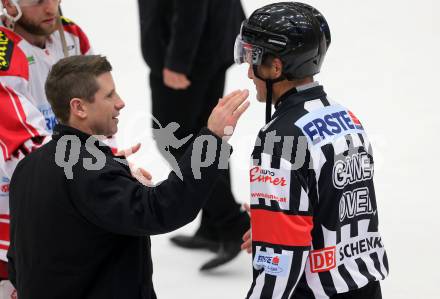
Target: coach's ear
(78, 109)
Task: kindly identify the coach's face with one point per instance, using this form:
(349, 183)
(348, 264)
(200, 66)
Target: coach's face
(103, 112)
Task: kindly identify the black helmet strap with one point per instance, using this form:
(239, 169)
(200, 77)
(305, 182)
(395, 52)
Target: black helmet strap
(269, 91)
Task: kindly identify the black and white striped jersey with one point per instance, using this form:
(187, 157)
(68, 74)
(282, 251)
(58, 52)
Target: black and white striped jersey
(313, 206)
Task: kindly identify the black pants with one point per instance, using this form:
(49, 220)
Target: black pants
(370, 291)
(190, 108)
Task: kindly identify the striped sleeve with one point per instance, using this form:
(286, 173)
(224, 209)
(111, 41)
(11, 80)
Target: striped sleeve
(282, 221)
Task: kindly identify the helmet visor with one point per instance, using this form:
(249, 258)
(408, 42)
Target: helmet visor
(247, 53)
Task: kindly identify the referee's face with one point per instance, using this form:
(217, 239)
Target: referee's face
(260, 85)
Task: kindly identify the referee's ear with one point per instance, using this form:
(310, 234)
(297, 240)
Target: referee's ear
(276, 68)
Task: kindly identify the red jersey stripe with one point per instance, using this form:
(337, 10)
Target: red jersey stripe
(279, 228)
(77, 31)
(13, 128)
(354, 118)
(4, 232)
(20, 110)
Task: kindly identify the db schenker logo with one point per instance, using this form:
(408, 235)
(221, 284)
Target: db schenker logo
(323, 260)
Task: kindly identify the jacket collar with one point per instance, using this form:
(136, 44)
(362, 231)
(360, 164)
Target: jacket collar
(61, 130)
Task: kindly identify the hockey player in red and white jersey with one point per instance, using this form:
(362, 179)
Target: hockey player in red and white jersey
(33, 37)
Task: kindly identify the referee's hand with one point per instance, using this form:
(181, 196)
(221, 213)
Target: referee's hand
(225, 115)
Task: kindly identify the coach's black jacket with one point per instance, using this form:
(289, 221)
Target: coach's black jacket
(192, 37)
(88, 237)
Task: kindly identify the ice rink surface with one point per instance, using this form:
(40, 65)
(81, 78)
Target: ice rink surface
(383, 63)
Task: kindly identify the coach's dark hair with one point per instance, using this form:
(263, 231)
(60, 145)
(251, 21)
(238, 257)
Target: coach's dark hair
(74, 77)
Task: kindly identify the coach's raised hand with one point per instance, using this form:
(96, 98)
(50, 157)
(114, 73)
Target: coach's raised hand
(225, 115)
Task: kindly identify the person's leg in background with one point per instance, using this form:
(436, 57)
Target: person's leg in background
(223, 223)
(182, 107)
